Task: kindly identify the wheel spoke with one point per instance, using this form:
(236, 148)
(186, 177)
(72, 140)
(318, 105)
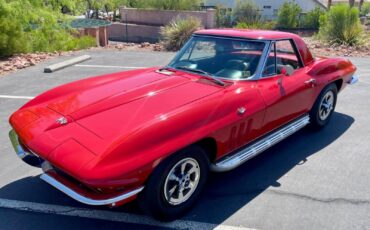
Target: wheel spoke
(183, 166)
(173, 177)
(172, 190)
(191, 170)
(180, 194)
(190, 185)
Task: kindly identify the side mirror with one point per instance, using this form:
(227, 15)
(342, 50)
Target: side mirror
(287, 70)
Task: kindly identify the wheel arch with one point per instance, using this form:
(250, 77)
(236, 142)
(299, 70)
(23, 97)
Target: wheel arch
(209, 144)
(338, 83)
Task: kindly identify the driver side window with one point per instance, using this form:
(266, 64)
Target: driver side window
(282, 55)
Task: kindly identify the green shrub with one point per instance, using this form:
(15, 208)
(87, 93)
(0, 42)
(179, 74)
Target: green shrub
(247, 12)
(12, 36)
(23, 30)
(341, 25)
(265, 25)
(365, 9)
(178, 31)
(288, 15)
(312, 19)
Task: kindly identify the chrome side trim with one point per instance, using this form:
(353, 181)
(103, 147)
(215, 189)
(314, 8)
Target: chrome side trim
(74, 195)
(25, 154)
(253, 150)
(354, 79)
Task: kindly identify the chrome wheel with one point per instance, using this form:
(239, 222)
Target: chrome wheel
(181, 181)
(326, 105)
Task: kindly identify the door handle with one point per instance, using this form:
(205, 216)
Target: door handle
(311, 81)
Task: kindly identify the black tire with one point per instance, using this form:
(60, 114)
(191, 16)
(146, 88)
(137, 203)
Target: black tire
(153, 199)
(317, 119)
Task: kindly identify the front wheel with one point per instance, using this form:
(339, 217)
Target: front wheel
(175, 184)
(324, 107)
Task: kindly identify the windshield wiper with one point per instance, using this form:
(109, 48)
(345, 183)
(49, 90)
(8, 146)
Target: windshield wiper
(203, 74)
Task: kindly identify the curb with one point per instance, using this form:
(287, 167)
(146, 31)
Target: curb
(61, 65)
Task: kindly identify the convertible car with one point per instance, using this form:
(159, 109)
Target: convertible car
(156, 133)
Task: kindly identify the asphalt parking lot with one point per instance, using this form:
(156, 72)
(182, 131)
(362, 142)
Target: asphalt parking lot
(312, 180)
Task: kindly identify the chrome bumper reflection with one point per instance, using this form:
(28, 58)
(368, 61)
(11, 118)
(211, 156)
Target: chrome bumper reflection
(71, 193)
(26, 155)
(353, 80)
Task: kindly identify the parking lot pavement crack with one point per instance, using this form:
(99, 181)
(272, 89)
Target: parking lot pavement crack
(337, 200)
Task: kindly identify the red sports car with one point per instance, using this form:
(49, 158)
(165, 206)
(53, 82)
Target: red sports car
(155, 133)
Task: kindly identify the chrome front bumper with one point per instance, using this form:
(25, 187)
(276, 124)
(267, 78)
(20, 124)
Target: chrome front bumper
(83, 199)
(354, 79)
(25, 154)
(32, 159)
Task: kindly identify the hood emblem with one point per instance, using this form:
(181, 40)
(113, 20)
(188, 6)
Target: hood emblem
(62, 121)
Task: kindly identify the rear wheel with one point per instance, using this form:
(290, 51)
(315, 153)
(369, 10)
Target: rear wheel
(175, 184)
(324, 107)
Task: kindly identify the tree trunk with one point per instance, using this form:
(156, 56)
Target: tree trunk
(89, 7)
(329, 4)
(351, 3)
(360, 5)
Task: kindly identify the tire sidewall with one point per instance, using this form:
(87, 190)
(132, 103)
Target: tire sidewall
(153, 199)
(315, 116)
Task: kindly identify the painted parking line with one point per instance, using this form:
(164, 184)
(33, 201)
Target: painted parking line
(111, 66)
(16, 97)
(109, 215)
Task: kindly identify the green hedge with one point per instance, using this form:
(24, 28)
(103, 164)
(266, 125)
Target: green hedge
(30, 26)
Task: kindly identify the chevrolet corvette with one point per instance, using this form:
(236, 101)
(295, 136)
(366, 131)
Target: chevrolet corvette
(156, 133)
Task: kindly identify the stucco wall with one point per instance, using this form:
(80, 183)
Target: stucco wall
(133, 33)
(139, 25)
(163, 17)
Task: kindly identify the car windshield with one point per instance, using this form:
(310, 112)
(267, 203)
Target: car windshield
(220, 57)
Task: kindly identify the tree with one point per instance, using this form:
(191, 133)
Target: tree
(247, 12)
(360, 5)
(288, 15)
(329, 4)
(351, 3)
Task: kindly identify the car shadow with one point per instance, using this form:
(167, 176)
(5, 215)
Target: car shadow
(225, 193)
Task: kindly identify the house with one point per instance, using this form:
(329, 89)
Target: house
(269, 8)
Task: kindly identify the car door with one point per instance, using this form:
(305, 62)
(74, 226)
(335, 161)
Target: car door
(286, 88)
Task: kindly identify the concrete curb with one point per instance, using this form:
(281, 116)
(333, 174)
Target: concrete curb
(61, 65)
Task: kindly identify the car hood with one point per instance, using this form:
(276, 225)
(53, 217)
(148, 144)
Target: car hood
(132, 97)
(98, 97)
